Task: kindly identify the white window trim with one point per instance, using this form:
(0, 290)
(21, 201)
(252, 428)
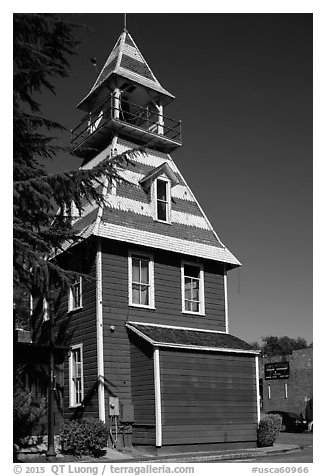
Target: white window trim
(70, 297)
(150, 257)
(45, 310)
(154, 199)
(72, 394)
(201, 288)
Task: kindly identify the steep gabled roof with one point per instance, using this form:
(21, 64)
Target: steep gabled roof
(127, 215)
(126, 61)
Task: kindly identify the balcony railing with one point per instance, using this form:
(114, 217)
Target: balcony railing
(147, 124)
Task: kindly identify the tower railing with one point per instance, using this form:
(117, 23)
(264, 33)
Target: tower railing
(119, 110)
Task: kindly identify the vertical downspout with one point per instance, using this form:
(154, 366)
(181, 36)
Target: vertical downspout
(257, 388)
(99, 306)
(99, 333)
(226, 301)
(157, 388)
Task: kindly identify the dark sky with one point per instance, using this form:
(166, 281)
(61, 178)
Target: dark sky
(243, 87)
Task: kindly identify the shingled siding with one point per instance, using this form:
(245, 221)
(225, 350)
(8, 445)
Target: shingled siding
(207, 397)
(142, 392)
(167, 283)
(83, 323)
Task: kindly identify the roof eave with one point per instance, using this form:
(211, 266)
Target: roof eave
(189, 346)
(165, 96)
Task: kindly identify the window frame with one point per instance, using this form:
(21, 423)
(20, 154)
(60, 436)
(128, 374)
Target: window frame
(201, 311)
(45, 310)
(72, 386)
(156, 200)
(151, 293)
(71, 306)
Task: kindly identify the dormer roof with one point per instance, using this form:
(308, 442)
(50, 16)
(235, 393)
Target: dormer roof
(126, 61)
(161, 170)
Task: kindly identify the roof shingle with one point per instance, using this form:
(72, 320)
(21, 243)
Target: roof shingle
(176, 337)
(126, 61)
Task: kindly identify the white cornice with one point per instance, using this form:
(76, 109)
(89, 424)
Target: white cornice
(163, 242)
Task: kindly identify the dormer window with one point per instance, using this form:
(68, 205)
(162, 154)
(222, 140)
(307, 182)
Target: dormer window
(159, 182)
(163, 200)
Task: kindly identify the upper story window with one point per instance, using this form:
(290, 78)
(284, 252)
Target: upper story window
(162, 200)
(76, 383)
(75, 295)
(192, 285)
(141, 280)
(159, 182)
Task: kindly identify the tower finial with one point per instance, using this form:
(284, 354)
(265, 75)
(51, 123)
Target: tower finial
(125, 22)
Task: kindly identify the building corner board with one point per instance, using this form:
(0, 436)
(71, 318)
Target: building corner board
(158, 405)
(99, 333)
(257, 388)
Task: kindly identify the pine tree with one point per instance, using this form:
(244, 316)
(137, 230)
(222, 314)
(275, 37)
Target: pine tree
(42, 218)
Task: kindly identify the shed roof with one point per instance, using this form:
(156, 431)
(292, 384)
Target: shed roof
(183, 338)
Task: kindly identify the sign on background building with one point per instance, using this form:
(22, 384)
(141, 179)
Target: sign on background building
(277, 370)
(287, 385)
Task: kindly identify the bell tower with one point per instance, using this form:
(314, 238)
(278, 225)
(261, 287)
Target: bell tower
(155, 316)
(126, 101)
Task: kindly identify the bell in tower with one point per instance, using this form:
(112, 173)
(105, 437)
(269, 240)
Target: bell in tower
(126, 101)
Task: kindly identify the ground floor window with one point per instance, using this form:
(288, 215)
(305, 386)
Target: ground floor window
(76, 386)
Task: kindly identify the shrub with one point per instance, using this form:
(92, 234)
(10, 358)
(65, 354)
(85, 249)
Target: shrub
(268, 430)
(27, 411)
(84, 437)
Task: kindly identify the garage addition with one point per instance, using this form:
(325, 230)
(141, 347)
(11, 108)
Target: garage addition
(151, 351)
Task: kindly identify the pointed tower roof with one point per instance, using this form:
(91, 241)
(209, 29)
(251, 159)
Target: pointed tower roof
(127, 62)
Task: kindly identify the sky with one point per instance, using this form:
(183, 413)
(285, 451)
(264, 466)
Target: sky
(243, 88)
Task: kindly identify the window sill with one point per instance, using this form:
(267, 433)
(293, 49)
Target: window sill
(162, 221)
(76, 405)
(71, 311)
(140, 306)
(202, 314)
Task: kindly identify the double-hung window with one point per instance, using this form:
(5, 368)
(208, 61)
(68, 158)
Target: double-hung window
(76, 385)
(162, 200)
(141, 280)
(192, 285)
(75, 295)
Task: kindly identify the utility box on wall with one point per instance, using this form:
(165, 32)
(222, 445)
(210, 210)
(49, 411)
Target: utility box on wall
(127, 414)
(114, 406)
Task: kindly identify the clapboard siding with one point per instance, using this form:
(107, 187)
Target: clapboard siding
(83, 324)
(206, 420)
(142, 390)
(116, 354)
(143, 435)
(207, 397)
(167, 285)
(168, 306)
